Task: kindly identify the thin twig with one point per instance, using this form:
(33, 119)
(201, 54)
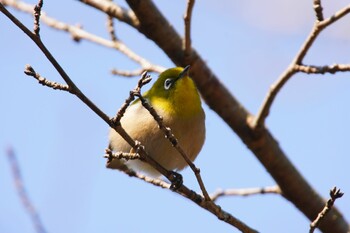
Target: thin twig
(332, 69)
(111, 29)
(145, 78)
(335, 194)
(43, 81)
(22, 193)
(78, 34)
(187, 20)
(318, 10)
(259, 120)
(245, 192)
(153, 181)
(156, 182)
(296, 66)
(316, 30)
(112, 8)
(37, 12)
(109, 154)
(338, 15)
(132, 73)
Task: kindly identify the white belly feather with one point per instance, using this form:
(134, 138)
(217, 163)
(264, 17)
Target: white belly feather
(141, 126)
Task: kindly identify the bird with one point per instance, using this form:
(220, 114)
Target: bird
(175, 97)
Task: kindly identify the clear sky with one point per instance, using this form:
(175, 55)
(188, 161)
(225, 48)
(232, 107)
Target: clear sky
(59, 142)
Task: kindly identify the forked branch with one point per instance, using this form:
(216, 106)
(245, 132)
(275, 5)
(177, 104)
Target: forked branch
(297, 64)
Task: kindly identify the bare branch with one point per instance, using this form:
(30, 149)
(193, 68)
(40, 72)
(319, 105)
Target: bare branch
(259, 120)
(338, 15)
(127, 73)
(73, 88)
(113, 9)
(37, 11)
(335, 194)
(187, 19)
(318, 10)
(294, 67)
(109, 154)
(245, 192)
(145, 78)
(22, 192)
(323, 69)
(156, 182)
(137, 72)
(110, 28)
(316, 30)
(78, 34)
(43, 81)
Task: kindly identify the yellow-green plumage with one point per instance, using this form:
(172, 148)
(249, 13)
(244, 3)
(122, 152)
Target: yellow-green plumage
(174, 96)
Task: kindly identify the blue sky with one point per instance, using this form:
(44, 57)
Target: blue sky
(59, 142)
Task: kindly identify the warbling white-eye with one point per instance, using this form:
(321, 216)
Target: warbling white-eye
(175, 98)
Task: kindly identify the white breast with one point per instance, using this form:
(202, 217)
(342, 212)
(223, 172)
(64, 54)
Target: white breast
(141, 126)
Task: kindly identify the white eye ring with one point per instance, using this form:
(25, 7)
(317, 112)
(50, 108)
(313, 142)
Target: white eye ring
(167, 83)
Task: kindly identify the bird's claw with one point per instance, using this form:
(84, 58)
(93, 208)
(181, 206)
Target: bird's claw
(176, 180)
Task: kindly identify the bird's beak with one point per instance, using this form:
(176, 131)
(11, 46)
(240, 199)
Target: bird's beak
(183, 73)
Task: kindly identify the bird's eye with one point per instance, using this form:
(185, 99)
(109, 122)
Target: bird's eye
(168, 83)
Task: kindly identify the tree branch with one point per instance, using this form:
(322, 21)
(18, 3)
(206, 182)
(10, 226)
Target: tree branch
(187, 20)
(37, 12)
(316, 30)
(332, 69)
(78, 34)
(260, 118)
(22, 193)
(297, 61)
(129, 73)
(43, 81)
(335, 194)
(109, 154)
(318, 10)
(113, 9)
(245, 192)
(110, 28)
(153, 181)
